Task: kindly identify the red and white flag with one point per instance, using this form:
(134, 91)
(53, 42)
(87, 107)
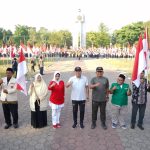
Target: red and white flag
(12, 54)
(23, 47)
(145, 49)
(22, 70)
(139, 63)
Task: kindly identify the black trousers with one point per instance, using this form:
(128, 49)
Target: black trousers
(81, 105)
(135, 108)
(38, 118)
(95, 106)
(41, 70)
(15, 72)
(10, 109)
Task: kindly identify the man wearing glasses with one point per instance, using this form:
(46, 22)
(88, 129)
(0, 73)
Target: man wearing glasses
(100, 88)
(79, 95)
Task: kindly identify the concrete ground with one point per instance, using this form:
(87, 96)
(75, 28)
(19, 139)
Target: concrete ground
(66, 138)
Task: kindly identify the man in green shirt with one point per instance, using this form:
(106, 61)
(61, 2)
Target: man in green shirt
(100, 91)
(120, 92)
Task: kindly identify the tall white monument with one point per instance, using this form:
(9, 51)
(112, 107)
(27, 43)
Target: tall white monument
(79, 33)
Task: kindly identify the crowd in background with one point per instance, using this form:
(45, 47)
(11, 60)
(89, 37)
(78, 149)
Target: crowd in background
(13, 51)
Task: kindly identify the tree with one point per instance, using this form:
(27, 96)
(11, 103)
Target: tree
(103, 35)
(147, 24)
(21, 34)
(54, 39)
(113, 38)
(92, 39)
(2, 31)
(129, 34)
(9, 35)
(60, 38)
(32, 35)
(66, 38)
(5, 36)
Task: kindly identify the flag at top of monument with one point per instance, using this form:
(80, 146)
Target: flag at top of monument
(22, 70)
(140, 62)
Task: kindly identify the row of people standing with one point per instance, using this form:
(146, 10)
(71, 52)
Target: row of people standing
(80, 94)
(100, 96)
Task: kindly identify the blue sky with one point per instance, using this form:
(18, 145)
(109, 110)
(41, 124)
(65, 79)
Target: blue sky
(61, 14)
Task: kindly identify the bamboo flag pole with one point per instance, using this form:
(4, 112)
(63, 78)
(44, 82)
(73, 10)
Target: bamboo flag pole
(147, 68)
(147, 56)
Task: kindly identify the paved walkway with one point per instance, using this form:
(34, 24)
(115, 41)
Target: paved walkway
(66, 138)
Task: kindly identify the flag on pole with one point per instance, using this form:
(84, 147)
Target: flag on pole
(145, 49)
(23, 47)
(139, 63)
(148, 38)
(22, 70)
(12, 54)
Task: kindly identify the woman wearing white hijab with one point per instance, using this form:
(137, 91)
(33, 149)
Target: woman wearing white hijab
(56, 98)
(38, 102)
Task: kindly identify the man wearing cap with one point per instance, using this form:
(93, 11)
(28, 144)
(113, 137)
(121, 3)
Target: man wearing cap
(9, 98)
(79, 95)
(100, 88)
(120, 92)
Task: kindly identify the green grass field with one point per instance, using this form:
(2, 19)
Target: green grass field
(7, 63)
(122, 65)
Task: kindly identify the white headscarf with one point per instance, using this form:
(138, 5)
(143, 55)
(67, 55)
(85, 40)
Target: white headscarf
(40, 87)
(54, 78)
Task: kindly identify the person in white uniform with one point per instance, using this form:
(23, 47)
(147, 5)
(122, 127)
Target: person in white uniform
(9, 98)
(79, 95)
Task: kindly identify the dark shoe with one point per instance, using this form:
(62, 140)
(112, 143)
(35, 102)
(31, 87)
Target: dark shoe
(81, 126)
(7, 126)
(74, 125)
(15, 126)
(93, 125)
(141, 127)
(104, 126)
(132, 126)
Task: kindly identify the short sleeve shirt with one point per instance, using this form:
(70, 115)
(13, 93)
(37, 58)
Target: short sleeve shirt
(99, 93)
(78, 92)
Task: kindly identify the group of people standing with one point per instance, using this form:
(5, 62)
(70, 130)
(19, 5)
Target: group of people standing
(99, 84)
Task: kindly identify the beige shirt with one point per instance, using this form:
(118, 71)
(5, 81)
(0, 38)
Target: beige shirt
(33, 98)
(41, 63)
(11, 88)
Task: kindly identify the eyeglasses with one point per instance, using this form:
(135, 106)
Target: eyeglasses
(57, 76)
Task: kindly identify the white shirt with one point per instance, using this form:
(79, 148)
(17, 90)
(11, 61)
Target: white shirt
(78, 92)
(11, 88)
